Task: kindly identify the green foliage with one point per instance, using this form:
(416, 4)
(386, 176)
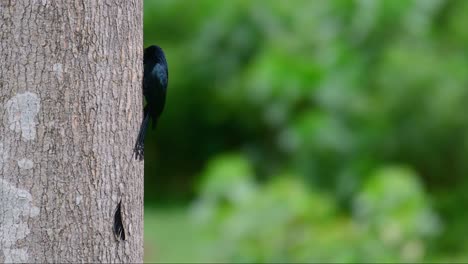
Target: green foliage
(284, 221)
(316, 95)
(395, 216)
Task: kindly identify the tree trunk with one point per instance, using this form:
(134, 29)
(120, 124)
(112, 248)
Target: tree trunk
(70, 108)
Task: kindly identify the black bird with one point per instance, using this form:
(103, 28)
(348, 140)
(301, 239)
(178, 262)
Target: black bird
(155, 79)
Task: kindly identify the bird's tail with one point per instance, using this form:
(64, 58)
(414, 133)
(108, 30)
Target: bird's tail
(139, 150)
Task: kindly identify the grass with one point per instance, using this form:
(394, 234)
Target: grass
(171, 237)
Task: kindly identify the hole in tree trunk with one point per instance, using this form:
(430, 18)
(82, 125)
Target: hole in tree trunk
(119, 231)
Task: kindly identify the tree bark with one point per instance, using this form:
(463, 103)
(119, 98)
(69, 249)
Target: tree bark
(70, 108)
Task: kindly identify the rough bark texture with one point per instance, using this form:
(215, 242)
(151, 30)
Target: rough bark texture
(70, 107)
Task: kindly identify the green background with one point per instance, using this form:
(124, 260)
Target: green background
(307, 130)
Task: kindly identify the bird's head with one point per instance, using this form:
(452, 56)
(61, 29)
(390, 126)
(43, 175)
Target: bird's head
(154, 54)
(155, 60)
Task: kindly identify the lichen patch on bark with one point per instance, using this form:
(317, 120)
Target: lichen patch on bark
(25, 164)
(22, 110)
(15, 209)
(3, 155)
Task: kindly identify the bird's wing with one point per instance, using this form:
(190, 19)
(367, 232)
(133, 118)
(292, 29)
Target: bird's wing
(160, 72)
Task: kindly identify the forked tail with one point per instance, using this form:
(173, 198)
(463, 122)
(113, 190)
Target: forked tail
(139, 150)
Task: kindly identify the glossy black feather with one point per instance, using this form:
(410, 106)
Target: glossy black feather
(155, 81)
